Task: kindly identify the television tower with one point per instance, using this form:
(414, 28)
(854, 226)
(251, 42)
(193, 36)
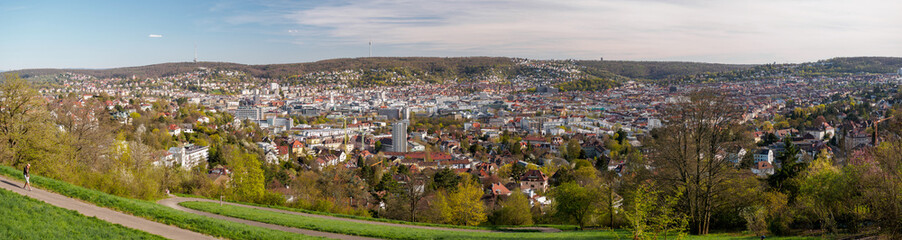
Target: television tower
(371, 48)
(195, 53)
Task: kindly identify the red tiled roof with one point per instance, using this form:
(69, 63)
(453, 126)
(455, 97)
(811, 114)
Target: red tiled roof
(499, 189)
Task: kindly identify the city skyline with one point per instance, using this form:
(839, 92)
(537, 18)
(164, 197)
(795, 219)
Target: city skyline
(96, 34)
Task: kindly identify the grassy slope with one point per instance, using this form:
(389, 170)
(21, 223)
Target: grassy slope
(493, 227)
(27, 218)
(156, 212)
(391, 232)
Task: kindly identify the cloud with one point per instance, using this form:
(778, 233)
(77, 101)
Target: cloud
(155, 36)
(727, 31)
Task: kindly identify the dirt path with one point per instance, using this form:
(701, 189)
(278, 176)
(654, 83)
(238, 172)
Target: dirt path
(174, 201)
(105, 214)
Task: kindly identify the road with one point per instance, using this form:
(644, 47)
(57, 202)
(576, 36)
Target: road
(105, 214)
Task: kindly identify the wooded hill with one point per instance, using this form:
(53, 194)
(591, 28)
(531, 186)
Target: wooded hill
(860, 64)
(834, 67)
(447, 67)
(475, 67)
(659, 70)
(438, 66)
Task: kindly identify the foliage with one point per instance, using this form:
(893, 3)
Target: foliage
(514, 210)
(445, 179)
(755, 219)
(588, 84)
(24, 123)
(461, 206)
(783, 179)
(574, 150)
(880, 180)
(651, 215)
(247, 176)
(575, 203)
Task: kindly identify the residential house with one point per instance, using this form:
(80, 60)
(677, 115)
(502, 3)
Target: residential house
(297, 147)
(764, 155)
(535, 180)
(763, 168)
(499, 190)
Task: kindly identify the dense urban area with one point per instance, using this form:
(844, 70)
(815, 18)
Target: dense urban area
(656, 148)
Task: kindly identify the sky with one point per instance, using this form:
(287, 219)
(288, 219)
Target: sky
(106, 34)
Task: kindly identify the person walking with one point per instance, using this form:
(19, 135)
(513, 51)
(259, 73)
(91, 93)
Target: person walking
(27, 176)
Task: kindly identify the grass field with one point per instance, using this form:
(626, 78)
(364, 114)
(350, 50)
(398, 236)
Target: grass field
(155, 212)
(386, 220)
(27, 218)
(393, 232)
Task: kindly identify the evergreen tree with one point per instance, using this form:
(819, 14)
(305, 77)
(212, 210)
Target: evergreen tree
(783, 179)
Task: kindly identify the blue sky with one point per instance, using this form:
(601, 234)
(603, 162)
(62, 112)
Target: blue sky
(103, 34)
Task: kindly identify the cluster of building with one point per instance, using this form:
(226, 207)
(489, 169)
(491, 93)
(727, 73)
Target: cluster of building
(364, 122)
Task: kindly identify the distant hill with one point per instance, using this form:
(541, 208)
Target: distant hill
(615, 70)
(659, 70)
(440, 66)
(860, 64)
(834, 67)
(434, 69)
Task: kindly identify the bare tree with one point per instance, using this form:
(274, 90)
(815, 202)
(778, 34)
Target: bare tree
(688, 152)
(85, 127)
(413, 192)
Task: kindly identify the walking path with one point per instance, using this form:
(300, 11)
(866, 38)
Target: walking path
(173, 232)
(105, 214)
(173, 202)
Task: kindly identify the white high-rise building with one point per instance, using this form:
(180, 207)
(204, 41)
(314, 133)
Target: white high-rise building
(399, 136)
(405, 113)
